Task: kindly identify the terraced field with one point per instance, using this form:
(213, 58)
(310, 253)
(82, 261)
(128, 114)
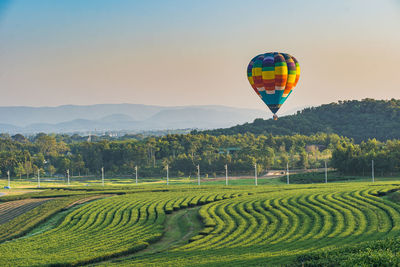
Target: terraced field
(265, 225)
(108, 227)
(272, 228)
(11, 210)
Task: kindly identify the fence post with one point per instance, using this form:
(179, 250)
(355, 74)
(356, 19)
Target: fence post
(167, 175)
(255, 173)
(287, 172)
(198, 174)
(136, 173)
(373, 174)
(102, 176)
(226, 174)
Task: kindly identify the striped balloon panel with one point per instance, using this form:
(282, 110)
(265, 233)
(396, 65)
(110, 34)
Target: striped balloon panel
(297, 71)
(250, 76)
(268, 73)
(273, 76)
(291, 76)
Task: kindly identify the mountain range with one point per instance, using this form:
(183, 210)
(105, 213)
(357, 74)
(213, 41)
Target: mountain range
(121, 117)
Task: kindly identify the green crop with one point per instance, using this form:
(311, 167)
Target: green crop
(271, 228)
(246, 225)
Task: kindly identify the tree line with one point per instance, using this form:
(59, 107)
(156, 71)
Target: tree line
(351, 158)
(51, 155)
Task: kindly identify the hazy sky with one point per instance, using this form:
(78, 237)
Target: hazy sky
(193, 52)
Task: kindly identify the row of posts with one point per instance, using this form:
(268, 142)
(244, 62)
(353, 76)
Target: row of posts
(198, 175)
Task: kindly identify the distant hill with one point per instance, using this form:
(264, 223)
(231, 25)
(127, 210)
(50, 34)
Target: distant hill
(121, 117)
(360, 120)
(23, 116)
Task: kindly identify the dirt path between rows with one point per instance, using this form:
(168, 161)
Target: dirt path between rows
(180, 226)
(191, 230)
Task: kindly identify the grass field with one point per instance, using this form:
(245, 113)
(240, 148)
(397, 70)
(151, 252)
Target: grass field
(21, 186)
(189, 225)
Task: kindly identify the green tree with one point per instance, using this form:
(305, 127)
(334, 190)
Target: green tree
(19, 170)
(303, 162)
(28, 166)
(51, 169)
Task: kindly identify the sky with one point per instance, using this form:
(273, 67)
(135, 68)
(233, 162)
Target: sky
(179, 52)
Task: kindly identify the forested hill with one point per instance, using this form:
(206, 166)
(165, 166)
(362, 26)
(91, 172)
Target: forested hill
(360, 120)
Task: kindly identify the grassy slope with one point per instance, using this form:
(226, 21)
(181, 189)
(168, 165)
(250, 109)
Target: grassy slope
(28, 221)
(180, 226)
(374, 253)
(359, 120)
(210, 252)
(303, 224)
(333, 176)
(103, 229)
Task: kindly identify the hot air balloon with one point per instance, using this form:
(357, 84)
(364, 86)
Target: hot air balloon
(273, 77)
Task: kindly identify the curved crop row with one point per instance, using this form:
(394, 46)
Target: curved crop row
(261, 226)
(282, 221)
(101, 229)
(250, 226)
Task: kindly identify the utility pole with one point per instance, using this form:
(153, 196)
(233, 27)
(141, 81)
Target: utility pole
(198, 174)
(255, 172)
(9, 182)
(102, 176)
(287, 172)
(226, 174)
(326, 173)
(136, 173)
(68, 177)
(373, 174)
(167, 175)
(38, 177)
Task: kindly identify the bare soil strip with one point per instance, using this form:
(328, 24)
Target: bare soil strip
(12, 209)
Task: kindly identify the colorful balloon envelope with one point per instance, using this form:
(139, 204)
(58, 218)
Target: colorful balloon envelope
(273, 77)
